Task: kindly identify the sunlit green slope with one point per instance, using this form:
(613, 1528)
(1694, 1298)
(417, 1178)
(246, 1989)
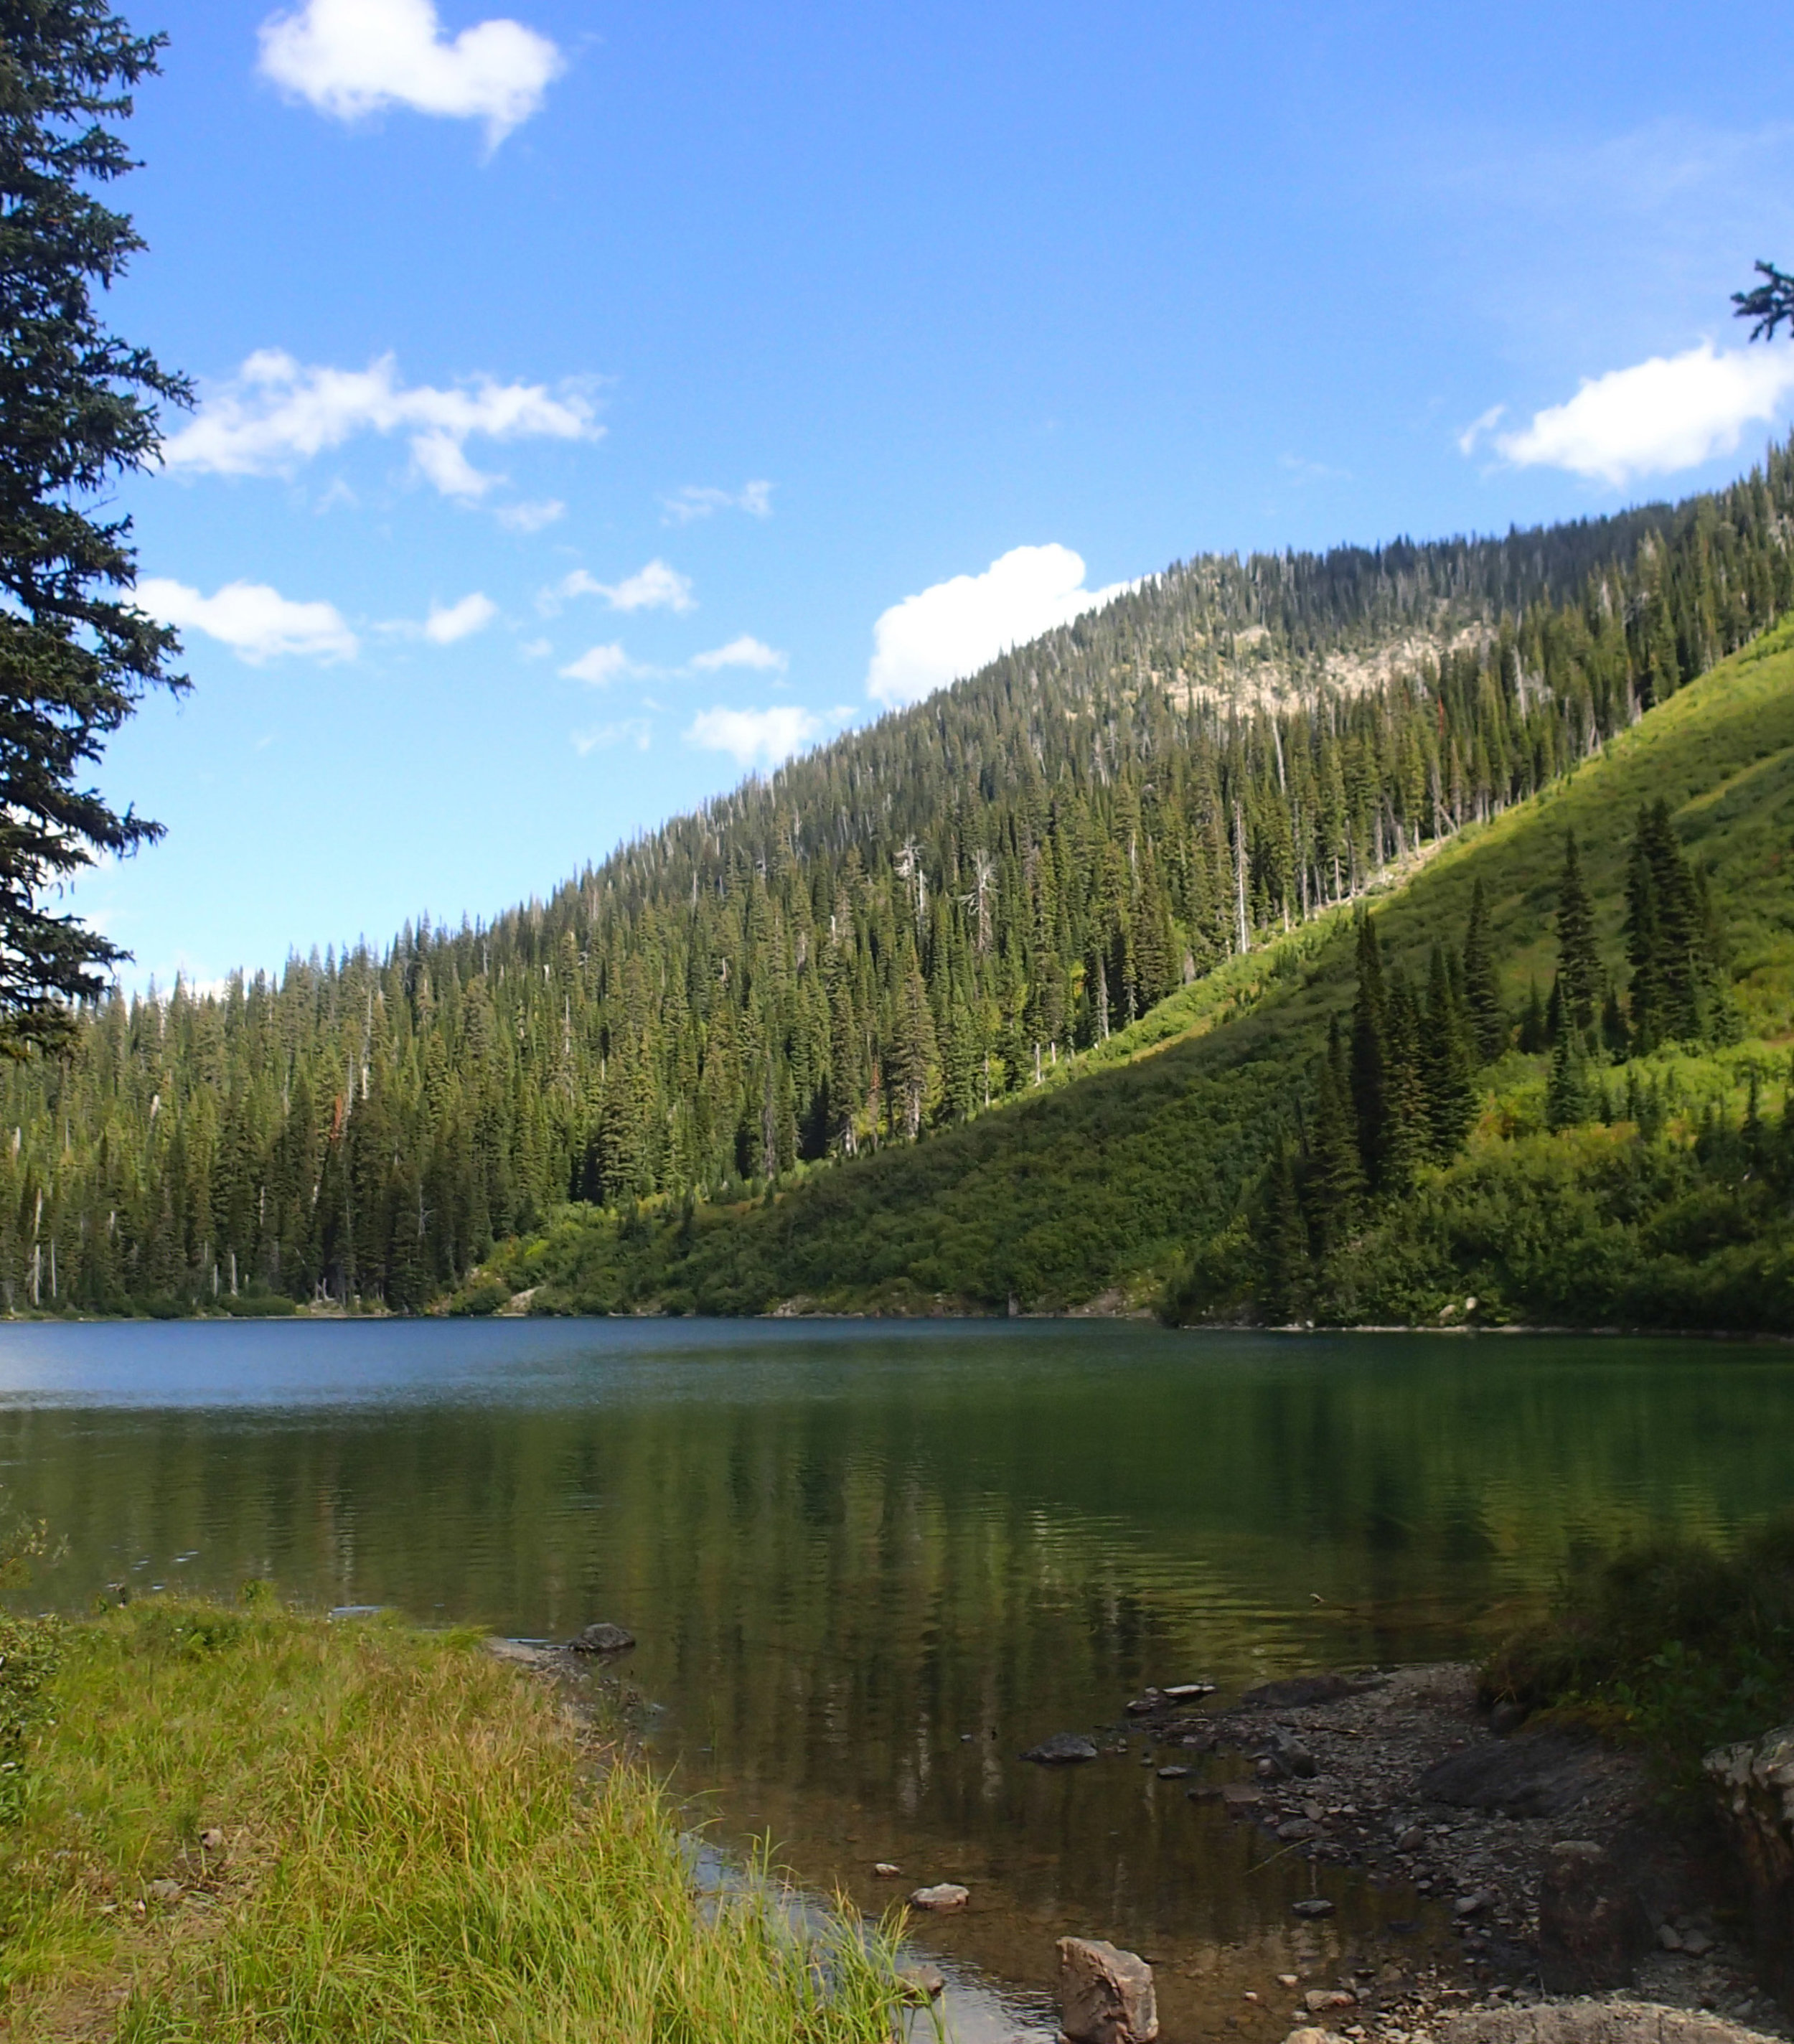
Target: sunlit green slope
(1101, 1187)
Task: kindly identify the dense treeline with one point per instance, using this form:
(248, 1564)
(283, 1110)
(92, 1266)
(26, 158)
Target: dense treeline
(1401, 1087)
(887, 936)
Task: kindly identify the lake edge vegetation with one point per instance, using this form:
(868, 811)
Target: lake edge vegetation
(241, 1823)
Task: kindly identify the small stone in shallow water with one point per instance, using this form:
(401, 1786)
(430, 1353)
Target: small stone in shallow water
(922, 1982)
(1062, 1749)
(1313, 1905)
(1173, 1773)
(943, 1895)
(885, 1870)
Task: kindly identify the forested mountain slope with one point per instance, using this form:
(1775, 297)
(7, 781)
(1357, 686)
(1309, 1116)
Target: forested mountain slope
(1643, 1178)
(885, 940)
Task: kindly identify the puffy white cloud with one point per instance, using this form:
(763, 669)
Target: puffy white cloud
(531, 517)
(745, 652)
(694, 501)
(1673, 411)
(954, 627)
(636, 731)
(350, 58)
(768, 736)
(655, 587)
(602, 666)
(276, 413)
(459, 621)
(256, 622)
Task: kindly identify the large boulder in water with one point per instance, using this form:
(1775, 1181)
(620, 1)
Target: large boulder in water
(1105, 1994)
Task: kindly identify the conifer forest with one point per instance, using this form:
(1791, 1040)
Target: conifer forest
(926, 919)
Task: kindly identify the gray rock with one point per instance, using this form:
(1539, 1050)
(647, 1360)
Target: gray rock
(1539, 1774)
(603, 1637)
(1173, 1773)
(1062, 1750)
(1289, 1757)
(1105, 1994)
(921, 1982)
(1755, 1782)
(1592, 1928)
(1313, 1905)
(943, 1895)
(1298, 1828)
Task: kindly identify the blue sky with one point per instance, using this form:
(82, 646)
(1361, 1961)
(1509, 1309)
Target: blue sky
(599, 401)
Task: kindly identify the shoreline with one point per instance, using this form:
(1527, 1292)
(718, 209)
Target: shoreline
(336, 1316)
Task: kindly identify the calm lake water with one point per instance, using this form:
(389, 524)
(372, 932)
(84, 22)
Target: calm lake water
(867, 1563)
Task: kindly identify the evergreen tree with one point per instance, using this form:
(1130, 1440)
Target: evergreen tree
(1335, 1173)
(1369, 1058)
(77, 410)
(1567, 1095)
(1283, 1234)
(1482, 986)
(1579, 964)
(1445, 1066)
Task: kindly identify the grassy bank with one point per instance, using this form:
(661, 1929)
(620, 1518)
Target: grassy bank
(249, 1825)
(1673, 1642)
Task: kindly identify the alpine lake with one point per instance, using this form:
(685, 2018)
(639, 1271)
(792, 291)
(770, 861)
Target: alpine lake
(868, 1563)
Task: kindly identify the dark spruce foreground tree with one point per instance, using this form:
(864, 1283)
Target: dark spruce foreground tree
(78, 409)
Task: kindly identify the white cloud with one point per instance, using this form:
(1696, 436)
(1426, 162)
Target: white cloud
(954, 627)
(1671, 413)
(256, 622)
(745, 651)
(655, 587)
(350, 58)
(531, 517)
(459, 621)
(277, 413)
(694, 501)
(536, 649)
(636, 731)
(751, 735)
(602, 666)
(1484, 422)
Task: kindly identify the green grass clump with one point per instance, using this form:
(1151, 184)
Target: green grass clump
(1685, 1646)
(417, 1844)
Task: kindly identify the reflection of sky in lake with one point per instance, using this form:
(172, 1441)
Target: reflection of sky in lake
(869, 1563)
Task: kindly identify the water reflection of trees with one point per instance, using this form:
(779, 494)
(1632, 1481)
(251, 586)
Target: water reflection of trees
(836, 1582)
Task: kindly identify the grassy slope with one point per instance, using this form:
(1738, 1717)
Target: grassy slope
(1104, 1183)
(414, 1846)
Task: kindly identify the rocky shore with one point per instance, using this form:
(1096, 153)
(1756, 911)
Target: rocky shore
(1561, 1871)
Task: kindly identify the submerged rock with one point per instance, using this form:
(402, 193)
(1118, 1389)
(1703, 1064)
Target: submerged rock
(1105, 1994)
(603, 1637)
(1062, 1750)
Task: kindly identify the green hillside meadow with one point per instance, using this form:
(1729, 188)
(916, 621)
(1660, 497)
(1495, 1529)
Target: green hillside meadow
(1135, 1182)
